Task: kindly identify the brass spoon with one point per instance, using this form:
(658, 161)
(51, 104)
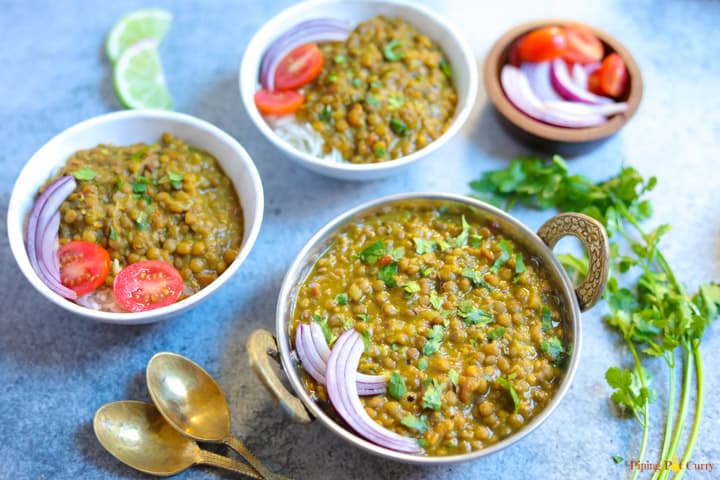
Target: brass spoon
(136, 434)
(193, 403)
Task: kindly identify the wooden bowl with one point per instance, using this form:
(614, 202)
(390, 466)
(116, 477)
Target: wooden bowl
(542, 135)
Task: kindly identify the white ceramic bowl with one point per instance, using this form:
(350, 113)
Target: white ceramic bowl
(460, 56)
(125, 128)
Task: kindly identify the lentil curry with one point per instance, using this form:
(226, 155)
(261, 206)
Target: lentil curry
(464, 325)
(167, 201)
(384, 93)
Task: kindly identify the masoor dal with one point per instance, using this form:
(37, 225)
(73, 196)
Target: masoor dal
(449, 307)
(384, 93)
(167, 201)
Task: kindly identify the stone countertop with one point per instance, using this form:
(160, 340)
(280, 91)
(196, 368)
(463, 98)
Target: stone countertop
(56, 370)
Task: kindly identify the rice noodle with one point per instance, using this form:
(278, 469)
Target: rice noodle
(302, 136)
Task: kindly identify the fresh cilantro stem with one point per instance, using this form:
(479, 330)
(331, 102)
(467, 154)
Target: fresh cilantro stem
(667, 437)
(699, 404)
(682, 415)
(646, 405)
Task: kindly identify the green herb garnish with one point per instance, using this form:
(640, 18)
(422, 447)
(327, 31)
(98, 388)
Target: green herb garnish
(84, 173)
(422, 363)
(553, 347)
(432, 398)
(397, 388)
(445, 68)
(462, 238)
(371, 254)
(417, 424)
(332, 78)
(519, 265)
(435, 300)
(434, 339)
(505, 254)
(398, 126)
(325, 114)
(356, 82)
(478, 278)
(392, 52)
(176, 179)
(617, 459)
(375, 84)
(380, 152)
(139, 187)
(411, 287)
(396, 101)
(142, 222)
(372, 100)
(341, 299)
(365, 317)
(423, 246)
(475, 241)
(495, 334)
(454, 376)
(546, 318)
(513, 394)
(387, 274)
(113, 234)
(327, 331)
(340, 59)
(472, 315)
(426, 271)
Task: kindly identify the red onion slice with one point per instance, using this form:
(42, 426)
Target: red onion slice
(42, 229)
(517, 88)
(583, 109)
(538, 75)
(566, 87)
(313, 353)
(580, 75)
(316, 30)
(341, 387)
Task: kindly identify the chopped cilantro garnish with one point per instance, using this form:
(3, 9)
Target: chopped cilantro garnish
(327, 331)
(397, 388)
(332, 78)
(432, 398)
(119, 183)
(519, 264)
(392, 52)
(461, 240)
(477, 278)
(472, 315)
(475, 240)
(422, 363)
(552, 346)
(380, 152)
(140, 153)
(396, 253)
(473, 342)
(387, 274)
(417, 424)
(375, 84)
(396, 101)
(617, 459)
(372, 100)
(366, 339)
(411, 287)
(546, 318)
(364, 316)
(513, 394)
(423, 246)
(505, 253)
(495, 334)
(454, 376)
(347, 323)
(372, 253)
(340, 59)
(113, 234)
(139, 187)
(435, 300)
(445, 68)
(356, 82)
(142, 221)
(176, 179)
(434, 339)
(341, 298)
(325, 114)
(398, 126)
(426, 271)
(84, 173)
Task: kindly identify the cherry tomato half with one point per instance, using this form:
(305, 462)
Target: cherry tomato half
(299, 67)
(147, 285)
(84, 266)
(594, 83)
(278, 103)
(613, 75)
(542, 44)
(514, 55)
(582, 45)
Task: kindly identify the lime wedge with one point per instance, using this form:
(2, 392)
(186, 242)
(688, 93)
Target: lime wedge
(139, 79)
(136, 26)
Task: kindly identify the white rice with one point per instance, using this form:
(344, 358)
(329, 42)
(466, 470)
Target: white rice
(302, 136)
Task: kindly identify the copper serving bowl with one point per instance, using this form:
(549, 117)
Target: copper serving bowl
(541, 135)
(262, 345)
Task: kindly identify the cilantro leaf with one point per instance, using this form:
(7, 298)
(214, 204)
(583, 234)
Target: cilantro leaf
(472, 315)
(422, 363)
(505, 254)
(513, 394)
(519, 264)
(495, 334)
(365, 317)
(397, 388)
(372, 253)
(477, 277)
(341, 298)
(411, 287)
(387, 274)
(475, 241)
(435, 300)
(434, 339)
(326, 329)
(84, 173)
(552, 346)
(176, 179)
(445, 67)
(398, 126)
(462, 238)
(423, 246)
(454, 376)
(546, 318)
(432, 398)
(417, 424)
(113, 234)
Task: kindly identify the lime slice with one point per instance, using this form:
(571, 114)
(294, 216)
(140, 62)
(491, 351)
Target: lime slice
(136, 26)
(139, 79)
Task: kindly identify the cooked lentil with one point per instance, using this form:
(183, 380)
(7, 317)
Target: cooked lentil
(465, 327)
(384, 93)
(167, 201)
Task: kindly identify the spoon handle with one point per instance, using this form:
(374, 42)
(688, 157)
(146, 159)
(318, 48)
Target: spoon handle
(205, 457)
(242, 450)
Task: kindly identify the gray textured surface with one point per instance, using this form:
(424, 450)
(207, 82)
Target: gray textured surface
(56, 370)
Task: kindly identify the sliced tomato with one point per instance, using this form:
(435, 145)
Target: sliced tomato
(613, 75)
(594, 83)
(278, 103)
(543, 44)
(582, 45)
(147, 285)
(299, 67)
(84, 266)
(514, 56)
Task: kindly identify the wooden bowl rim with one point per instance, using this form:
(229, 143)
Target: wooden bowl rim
(491, 77)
